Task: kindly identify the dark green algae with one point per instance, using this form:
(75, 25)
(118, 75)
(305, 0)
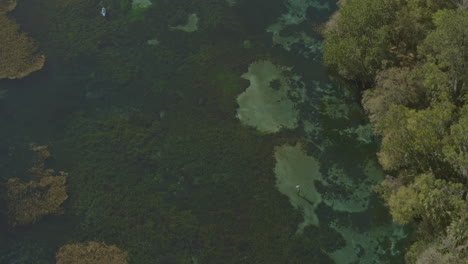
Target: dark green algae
(158, 163)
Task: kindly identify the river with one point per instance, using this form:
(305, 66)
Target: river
(195, 131)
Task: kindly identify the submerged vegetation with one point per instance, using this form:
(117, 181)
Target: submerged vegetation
(42, 195)
(411, 57)
(157, 163)
(90, 253)
(18, 52)
(207, 131)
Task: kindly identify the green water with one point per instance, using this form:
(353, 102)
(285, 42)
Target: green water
(144, 118)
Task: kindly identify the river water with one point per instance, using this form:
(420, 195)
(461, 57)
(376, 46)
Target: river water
(195, 131)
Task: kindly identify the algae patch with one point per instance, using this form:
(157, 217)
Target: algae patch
(141, 4)
(354, 194)
(190, 26)
(296, 15)
(367, 246)
(152, 42)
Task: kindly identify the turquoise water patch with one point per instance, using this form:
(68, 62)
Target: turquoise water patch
(267, 103)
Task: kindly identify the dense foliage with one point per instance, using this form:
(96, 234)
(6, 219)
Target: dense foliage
(412, 56)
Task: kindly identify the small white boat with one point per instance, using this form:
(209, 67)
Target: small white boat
(103, 11)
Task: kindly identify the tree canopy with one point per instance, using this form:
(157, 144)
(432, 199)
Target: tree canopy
(357, 39)
(445, 52)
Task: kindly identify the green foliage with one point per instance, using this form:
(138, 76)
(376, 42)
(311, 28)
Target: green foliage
(124, 4)
(117, 66)
(394, 86)
(137, 14)
(440, 201)
(429, 6)
(417, 59)
(25, 252)
(434, 200)
(414, 139)
(170, 167)
(456, 239)
(358, 39)
(227, 86)
(410, 27)
(447, 248)
(403, 205)
(446, 48)
(456, 144)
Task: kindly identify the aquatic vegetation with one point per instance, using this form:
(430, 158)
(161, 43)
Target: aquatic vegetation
(296, 14)
(158, 163)
(231, 2)
(190, 26)
(24, 252)
(228, 86)
(374, 245)
(141, 3)
(137, 14)
(117, 66)
(18, 52)
(44, 195)
(362, 133)
(355, 194)
(7, 6)
(152, 42)
(90, 253)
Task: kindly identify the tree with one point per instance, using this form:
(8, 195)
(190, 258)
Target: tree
(394, 86)
(449, 247)
(414, 139)
(357, 39)
(446, 53)
(411, 26)
(434, 200)
(456, 144)
(403, 205)
(461, 3)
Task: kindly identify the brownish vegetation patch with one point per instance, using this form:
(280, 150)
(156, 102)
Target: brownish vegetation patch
(7, 6)
(43, 195)
(18, 52)
(90, 253)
